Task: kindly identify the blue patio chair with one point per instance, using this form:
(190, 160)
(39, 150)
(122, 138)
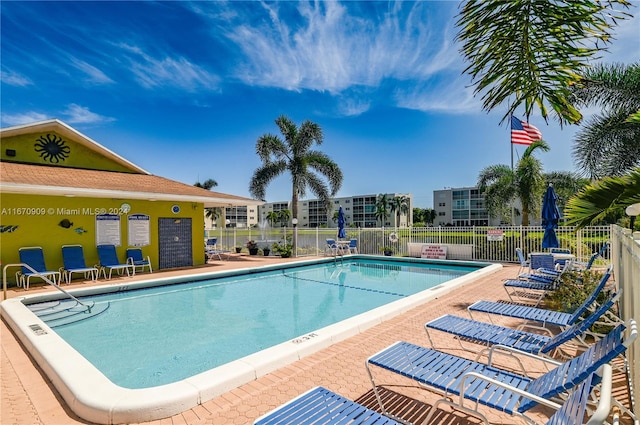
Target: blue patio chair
(319, 405)
(353, 246)
(463, 380)
(544, 316)
(74, 262)
(33, 256)
(534, 287)
(109, 261)
(139, 262)
(488, 334)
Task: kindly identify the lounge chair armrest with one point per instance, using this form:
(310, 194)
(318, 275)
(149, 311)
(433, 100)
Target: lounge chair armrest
(531, 326)
(475, 375)
(495, 349)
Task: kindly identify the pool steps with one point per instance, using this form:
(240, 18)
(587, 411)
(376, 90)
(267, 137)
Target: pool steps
(64, 312)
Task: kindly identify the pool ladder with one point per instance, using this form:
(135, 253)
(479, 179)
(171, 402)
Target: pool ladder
(44, 278)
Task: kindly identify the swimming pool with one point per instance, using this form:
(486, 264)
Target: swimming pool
(320, 306)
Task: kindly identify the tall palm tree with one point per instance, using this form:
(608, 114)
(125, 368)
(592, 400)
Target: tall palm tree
(501, 185)
(399, 205)
(529, 52)
(609, 144)
(382, 208)
(294, 154)
(600, 198)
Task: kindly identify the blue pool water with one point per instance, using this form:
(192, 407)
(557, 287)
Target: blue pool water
(154, 336)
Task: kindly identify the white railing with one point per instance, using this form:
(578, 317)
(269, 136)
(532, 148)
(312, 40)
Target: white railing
(484, 243)
(625, 257)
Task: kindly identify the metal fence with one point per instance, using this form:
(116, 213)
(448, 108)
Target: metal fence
(470, 243)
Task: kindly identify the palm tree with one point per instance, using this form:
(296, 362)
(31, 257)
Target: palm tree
(210, 213)
(601, 198)
(609, 144)
(283, 217)
(399, 205)
(382, 208)
(565, 184)
(501, 185)
(294, 154)
(272, 217)
(429, 215)
(529, 52)
(208, 184)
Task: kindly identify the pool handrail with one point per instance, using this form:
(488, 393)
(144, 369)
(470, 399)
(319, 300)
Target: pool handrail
(44, 278)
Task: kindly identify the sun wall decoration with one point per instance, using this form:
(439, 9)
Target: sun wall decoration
(52, 148)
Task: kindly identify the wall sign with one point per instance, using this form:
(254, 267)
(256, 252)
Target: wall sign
(175, 209)
(138, 227)
(108, 229)
(436, 252)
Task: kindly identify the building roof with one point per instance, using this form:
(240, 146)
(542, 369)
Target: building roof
(57, 181)
(70, 132)
(24, 178)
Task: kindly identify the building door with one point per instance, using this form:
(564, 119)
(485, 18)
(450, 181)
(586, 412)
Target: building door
(174, 235)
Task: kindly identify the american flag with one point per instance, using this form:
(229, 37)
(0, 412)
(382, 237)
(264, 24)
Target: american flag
(523, 133)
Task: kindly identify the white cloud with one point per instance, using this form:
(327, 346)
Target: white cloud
(15, 79)
(25, 118)
(175, 72)
(94, 74)
(333, 50)
(77, 114)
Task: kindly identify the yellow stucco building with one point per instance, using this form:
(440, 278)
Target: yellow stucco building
(59, 187)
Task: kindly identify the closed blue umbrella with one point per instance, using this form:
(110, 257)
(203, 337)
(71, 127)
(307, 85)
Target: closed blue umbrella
(550, 217)
(341, 232)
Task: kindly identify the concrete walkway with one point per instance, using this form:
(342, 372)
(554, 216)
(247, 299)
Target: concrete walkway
(29, 398)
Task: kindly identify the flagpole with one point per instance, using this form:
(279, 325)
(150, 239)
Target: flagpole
(513, 219)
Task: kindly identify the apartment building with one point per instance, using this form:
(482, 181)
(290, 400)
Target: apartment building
(464, 206)
(359, 210)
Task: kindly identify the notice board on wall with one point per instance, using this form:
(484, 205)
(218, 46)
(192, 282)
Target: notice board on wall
(108, 229)
(139, 230)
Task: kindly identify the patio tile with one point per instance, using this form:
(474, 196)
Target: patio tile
(28, 398)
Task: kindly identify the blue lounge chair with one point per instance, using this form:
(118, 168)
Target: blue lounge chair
(211, 250)
(541, 315)
(321, 406)
(109, 261)
(139, 262)
(530, 342)
(581, 266)
(524, 263)
(33, 257)
(353, 246)
(535, 286)
(73, 259)
(333, 248)
(489, 385)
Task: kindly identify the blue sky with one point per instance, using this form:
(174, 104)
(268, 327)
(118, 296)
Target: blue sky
(184, 89)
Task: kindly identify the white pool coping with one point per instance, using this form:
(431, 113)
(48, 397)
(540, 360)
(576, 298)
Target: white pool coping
(93, 397)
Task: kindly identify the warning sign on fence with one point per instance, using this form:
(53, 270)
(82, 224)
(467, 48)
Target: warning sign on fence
(495, 235)
(437, 252)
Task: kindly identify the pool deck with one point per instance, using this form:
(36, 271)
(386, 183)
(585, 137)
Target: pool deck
(29, 398)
